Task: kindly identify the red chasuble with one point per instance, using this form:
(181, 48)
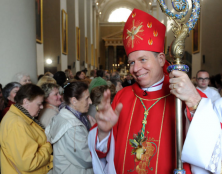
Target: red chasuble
(159, 155)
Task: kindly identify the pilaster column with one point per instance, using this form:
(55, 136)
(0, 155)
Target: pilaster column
(107, 57)
(115, 56)
(90, 34)
(83, 32)
(64, 57)
(18, 39)
(76, 4)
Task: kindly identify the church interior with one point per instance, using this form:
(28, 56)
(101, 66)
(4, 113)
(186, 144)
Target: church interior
(53, 35)
(74, 100)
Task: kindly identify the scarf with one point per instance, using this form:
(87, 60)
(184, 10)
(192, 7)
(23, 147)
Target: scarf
(24, 111)
(80, 116)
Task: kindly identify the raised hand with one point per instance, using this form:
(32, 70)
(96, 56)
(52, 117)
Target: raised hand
(183, 88)
(106, 117)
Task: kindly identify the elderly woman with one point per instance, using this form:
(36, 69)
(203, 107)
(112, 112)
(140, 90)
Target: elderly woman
(24, 146)
(9, 93)
(52, 101)
(22, 78)
(68, 132)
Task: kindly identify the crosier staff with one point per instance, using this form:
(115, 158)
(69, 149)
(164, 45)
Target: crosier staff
(181, 32)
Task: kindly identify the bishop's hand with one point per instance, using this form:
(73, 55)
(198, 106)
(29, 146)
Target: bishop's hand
(106, 117)
(183, 88)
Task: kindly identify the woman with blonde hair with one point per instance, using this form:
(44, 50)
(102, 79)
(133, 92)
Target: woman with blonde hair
(52, 100)
(46, 79)
(48, 74)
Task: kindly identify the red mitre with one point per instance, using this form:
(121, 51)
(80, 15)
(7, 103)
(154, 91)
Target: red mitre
(143, 32)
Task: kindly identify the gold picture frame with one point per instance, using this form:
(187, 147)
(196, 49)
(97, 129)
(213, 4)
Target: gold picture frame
(39, 20)
(64, 32)
(196, 38)
(78, 43)
(86, 49)
(92, 55)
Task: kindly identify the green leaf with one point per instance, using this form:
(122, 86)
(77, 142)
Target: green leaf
(133, 142)
(133, 153)
(139, 139)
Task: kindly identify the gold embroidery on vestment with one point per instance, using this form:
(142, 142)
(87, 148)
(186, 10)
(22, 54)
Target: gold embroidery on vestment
(128, 135)
(134, 34)
(149, 24)
(150, 41)
(133, 15)
(150, 149)
(155, 33)
(160, 136)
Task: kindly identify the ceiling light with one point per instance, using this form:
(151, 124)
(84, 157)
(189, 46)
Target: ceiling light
(150, 3)
(100, 12)
(49, 61)
(97, 3)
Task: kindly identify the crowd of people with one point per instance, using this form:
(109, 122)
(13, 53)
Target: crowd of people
(61, 105)
(105, 123)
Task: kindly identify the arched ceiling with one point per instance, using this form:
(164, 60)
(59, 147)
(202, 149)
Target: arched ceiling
(107, 6)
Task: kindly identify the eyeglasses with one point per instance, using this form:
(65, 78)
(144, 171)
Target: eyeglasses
(203, 79)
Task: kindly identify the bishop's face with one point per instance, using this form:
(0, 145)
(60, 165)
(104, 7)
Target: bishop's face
(146, 68)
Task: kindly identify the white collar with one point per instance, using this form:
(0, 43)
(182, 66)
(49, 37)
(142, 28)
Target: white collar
(202, 89)
(155, 87)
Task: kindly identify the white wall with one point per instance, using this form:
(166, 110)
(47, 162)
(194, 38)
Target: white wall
(211, 43)
(196, 63)
(18, 39)
(90, 35)
(40, 58)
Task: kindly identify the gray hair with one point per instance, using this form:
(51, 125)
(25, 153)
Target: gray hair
(9, 87)
(18, 76)
(48, 87)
